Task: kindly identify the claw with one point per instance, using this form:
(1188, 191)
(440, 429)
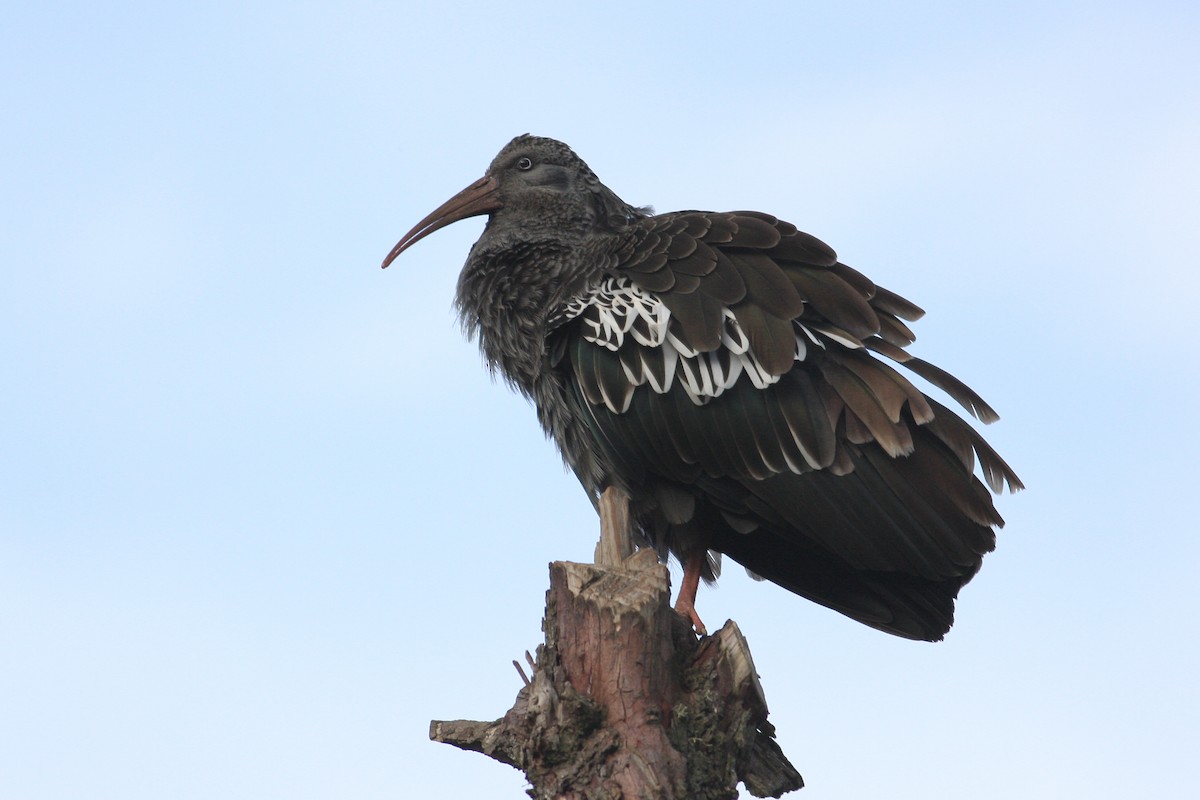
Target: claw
(687, 610)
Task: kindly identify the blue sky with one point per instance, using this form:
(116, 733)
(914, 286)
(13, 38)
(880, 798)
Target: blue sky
(263, 515)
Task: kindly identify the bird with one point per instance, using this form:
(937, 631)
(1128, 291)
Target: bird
(744, 388)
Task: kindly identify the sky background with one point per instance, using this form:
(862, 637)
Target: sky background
(263, 516)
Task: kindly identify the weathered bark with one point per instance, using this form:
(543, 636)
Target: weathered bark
(625, 703)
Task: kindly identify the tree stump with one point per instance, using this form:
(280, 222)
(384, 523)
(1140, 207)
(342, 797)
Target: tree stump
(626, 704)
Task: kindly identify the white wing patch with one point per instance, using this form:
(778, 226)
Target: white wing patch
(615, 311)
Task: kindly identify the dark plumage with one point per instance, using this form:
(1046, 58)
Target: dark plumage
(722, 369)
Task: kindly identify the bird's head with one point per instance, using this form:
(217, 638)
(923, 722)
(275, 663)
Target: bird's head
(532, 179)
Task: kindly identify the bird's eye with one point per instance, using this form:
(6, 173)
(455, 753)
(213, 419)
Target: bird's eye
(524, 163)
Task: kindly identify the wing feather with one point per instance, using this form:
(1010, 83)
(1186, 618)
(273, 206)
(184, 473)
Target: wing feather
(746, 392)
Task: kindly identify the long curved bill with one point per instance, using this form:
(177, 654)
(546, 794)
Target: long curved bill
(478, 198)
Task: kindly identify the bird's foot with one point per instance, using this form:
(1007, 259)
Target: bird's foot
(685, 606)
(687, 609)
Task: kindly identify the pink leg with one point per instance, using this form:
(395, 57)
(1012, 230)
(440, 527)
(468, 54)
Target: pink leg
(685, 606)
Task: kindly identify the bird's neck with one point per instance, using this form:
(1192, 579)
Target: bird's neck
(508, 290)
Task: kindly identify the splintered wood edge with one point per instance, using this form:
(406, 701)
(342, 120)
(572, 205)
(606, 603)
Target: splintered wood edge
(736, 651)
(636, 585)
(616, 528)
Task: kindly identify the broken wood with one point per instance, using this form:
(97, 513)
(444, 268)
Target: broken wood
(616, 529)
(625, 702)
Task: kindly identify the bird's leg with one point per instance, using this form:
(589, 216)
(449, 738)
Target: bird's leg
(685, 606)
